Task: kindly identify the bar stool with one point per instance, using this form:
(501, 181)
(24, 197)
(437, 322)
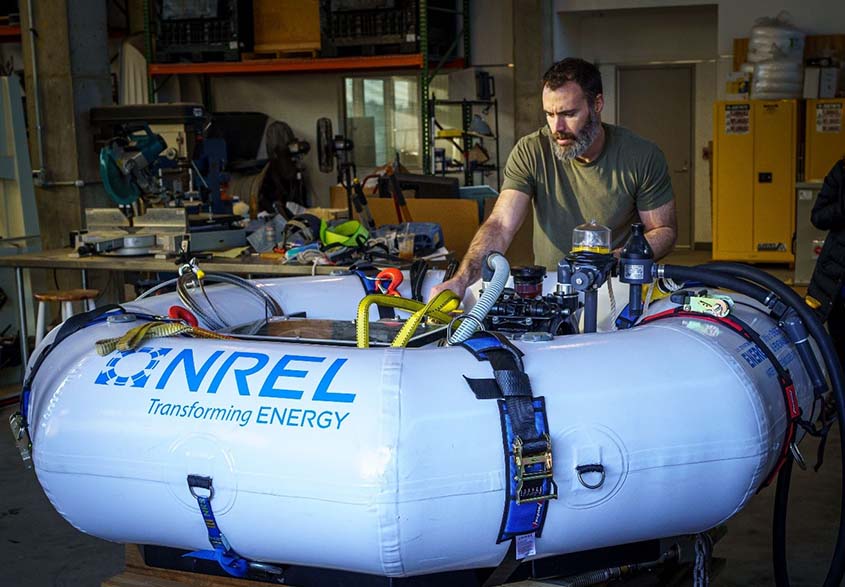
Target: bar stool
(66, 297)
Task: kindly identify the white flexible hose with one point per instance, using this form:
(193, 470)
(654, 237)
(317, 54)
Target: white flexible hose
(648, 295)
(158, 287)
(612, 299)
(501, 273)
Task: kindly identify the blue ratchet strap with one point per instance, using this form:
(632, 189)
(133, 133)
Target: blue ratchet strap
(526, 443)
(229, 560)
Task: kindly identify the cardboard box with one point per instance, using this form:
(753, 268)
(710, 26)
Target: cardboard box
(457, 217)
(329, 213)
(286, 25)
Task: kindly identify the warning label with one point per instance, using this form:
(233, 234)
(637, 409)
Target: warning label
(829, 118)
(737, 119)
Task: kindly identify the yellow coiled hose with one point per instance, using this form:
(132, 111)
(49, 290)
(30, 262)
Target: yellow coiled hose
(437, 308)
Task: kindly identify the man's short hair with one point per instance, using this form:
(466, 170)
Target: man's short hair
(572, 69)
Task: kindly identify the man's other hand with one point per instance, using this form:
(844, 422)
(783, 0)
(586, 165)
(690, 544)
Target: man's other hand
(456, 284)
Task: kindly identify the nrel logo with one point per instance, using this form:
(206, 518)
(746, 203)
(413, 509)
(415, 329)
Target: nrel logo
(135, 370)
(289, 377)
(249, 370)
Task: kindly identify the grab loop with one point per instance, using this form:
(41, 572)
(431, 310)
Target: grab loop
(585, 469)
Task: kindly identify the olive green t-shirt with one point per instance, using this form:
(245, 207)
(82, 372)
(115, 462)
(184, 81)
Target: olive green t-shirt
(629, 175)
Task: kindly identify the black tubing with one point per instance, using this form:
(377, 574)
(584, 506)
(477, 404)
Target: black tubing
(715, 279)
(590, 310)
(779, 525)
(834, 369)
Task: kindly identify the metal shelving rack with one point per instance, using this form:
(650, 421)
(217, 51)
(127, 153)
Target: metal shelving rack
(427, 76)
(417, 61)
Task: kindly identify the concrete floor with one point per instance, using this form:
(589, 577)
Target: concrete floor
(38, 548)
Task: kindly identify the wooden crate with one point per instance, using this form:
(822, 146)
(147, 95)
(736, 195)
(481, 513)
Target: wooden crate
(138, 574)
(286, 26)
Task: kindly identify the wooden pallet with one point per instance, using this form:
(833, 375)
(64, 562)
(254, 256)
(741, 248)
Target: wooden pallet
(287, 53)
(138, 574)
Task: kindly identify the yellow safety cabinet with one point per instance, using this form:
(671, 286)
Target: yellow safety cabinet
(754, 154)
(824, 137)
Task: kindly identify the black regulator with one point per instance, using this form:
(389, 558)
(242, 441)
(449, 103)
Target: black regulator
(586, 272)
(523, 308)
(581, 273)
(635, 266)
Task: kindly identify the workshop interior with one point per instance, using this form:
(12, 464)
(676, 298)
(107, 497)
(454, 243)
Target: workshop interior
(226, 358)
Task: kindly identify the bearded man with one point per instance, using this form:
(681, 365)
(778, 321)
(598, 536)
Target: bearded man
(573, 170)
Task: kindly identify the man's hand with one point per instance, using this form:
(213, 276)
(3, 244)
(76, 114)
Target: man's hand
(456, 284)
(495, 234)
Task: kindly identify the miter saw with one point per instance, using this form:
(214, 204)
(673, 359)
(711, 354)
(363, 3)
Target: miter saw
(137, 164)
(129, 164)
(136, 161)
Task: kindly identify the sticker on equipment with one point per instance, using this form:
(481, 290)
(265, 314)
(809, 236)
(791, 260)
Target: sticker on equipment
(525, 546)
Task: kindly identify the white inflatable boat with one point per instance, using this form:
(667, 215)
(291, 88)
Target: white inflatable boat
(382, 460)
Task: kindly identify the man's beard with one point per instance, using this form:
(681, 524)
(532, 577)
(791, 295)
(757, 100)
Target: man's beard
(583, 140)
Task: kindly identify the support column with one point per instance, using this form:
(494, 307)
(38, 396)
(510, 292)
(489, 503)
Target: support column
(533, 47)
(70, 73)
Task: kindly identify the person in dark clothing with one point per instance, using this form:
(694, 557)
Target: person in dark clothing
(825, 293)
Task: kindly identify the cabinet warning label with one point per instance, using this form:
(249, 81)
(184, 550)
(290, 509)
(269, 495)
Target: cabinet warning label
(829, 118)
(737, 119)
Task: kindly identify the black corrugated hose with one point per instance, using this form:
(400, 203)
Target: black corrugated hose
(754, 283)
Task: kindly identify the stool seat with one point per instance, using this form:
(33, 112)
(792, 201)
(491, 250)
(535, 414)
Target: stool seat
(67, 295)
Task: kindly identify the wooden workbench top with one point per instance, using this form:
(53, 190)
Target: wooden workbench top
(67, 259)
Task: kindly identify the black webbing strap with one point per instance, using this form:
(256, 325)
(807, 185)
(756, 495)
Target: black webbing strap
(505, 569)
(71, 326)
(509, 382)
(527, 447)
(419, 268)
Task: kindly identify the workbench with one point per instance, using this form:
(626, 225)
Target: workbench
(68, 259)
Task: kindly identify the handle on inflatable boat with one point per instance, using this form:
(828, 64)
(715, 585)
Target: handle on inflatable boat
(584, 469)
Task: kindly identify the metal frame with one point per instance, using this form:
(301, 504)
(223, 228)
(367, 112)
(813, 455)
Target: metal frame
(426, 77)
(16, 169)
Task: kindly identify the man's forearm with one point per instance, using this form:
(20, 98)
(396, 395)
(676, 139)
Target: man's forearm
(662, 240)
(490, 237)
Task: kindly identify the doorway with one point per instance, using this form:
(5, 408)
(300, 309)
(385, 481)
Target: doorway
(656, 102)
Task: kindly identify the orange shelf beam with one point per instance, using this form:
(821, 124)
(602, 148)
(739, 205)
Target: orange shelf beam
(10, 33)
(410, 61)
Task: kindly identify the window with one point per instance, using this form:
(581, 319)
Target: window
(383, 118)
